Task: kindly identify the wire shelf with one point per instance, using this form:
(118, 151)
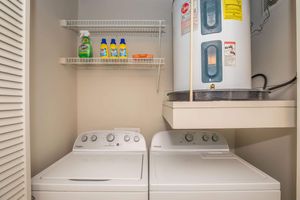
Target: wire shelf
(150, 62)
(152, 28)
(116, 26)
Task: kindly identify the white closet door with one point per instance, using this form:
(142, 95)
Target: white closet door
(14, 90)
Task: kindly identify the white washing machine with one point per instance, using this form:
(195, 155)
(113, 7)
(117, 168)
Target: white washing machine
(103, 165)
(191, 165)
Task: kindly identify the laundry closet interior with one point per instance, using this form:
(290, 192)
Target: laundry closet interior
(68, 97)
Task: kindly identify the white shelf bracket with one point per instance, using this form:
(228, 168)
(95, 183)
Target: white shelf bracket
(159, 55)
(158, 77)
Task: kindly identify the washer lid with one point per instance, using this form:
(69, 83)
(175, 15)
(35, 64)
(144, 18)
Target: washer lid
(206, 171)
(96, 167)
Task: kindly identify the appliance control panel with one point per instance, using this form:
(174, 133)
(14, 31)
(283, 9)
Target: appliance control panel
(114, 140)
(189, 141)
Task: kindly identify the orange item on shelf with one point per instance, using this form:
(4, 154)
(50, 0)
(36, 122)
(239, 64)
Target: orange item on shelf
(136, 56)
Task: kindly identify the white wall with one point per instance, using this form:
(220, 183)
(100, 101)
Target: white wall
(274, 50)
(65, 101)
(274, 54)
(53, 86)
(125, 98)
(120, 98)
(274, 152)
(104, 99)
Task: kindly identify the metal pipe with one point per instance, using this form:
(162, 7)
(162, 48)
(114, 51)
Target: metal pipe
(191, 49)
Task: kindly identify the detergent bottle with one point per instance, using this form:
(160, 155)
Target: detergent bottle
(85, 49)
(103, 49)
(113, 49)
(123, 49)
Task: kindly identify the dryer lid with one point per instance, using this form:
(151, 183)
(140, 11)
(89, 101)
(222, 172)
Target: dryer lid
(79, 166)
(206, 171)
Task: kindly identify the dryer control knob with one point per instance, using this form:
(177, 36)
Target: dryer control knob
(94, 138)
(84, 138)
(136, 138)
(110, 137)
(215, 138)
(126, 138)
(205, 138)
(189, 137)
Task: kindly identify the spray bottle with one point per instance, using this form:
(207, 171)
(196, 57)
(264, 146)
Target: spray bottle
(85, 49)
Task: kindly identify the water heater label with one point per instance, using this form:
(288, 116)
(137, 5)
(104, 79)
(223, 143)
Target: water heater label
(230, 54)
(233, 10)
(186, 16)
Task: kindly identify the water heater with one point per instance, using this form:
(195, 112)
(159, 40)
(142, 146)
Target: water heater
(221, 44)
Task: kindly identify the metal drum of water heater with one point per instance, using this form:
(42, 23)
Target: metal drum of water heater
(221, 45)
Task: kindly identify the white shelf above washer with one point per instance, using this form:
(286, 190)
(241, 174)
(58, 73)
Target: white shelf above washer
(116, 26)
(153, 28)
(149, 62)
(230, 114)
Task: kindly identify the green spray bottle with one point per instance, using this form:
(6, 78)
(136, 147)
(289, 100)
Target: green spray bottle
(85, 49)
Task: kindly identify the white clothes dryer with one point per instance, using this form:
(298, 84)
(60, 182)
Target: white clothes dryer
(195, 165)
(103, 165)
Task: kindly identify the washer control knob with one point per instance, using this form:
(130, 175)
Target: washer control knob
(215, 138)
(136, 138)
(126, 138)
(205, 138)
(110, 137)
(84, 138)
(94, 138)
(189, 137)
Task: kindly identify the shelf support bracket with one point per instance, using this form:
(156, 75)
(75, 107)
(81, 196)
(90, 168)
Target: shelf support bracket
(159, 55)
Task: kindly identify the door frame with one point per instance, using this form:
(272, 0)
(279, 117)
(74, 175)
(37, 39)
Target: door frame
(298, 97)
(26, 94)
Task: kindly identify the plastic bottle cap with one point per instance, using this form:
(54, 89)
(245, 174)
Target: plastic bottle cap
(103, 41)
(84, 33)
(113, 41)
(122, 41)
